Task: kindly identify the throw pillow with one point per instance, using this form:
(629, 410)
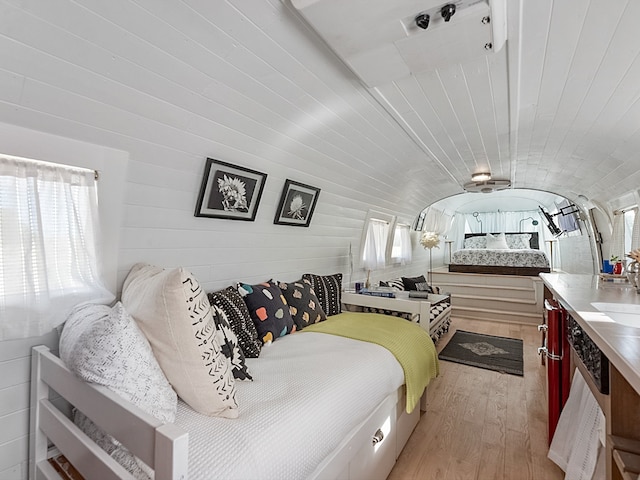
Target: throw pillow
(175, 315)
(410, 282)
(497, 242)
(234, 307)
(103, 345)
(424, 287)
(394, 282)
(519, 241)
(475, 242)
(328, 289)
(229, 345)
(268, 309)
(303, 303)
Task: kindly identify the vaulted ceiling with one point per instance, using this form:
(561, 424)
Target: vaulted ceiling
(556, 109)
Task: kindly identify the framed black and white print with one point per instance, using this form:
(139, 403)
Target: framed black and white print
(229, 191)
(420, 221)
(296, 204)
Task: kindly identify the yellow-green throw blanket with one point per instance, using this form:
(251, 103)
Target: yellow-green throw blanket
(408, 342)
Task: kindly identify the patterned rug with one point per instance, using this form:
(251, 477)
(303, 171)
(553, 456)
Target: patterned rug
(485, 351)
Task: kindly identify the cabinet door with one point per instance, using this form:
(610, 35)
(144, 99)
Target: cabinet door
(375, 459)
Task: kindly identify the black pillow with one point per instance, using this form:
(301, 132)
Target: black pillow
(234, 307)
(303, 302)
(328, 289)
(268, 309)
(410, 282)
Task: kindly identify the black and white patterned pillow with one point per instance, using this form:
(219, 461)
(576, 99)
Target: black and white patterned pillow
(234, 307)
(328, 289)
(229, 344)
(394, 282)
(303, 303)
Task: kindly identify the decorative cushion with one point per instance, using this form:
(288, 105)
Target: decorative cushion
(268, 309)
(498, 242)
(394, 282)
(303, 303)
(475, 242)
(410, 282)
(229, 345)
(328, 289)
(234, 307)
(424, 287)
(518, 240)
(103, 345)
(175, 315)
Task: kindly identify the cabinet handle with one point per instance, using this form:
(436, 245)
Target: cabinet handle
(377, 437)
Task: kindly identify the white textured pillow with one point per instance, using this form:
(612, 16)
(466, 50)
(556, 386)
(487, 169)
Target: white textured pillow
(174, 313)
(104, 345)
(475, 242)
(519, 240)
(497, 242)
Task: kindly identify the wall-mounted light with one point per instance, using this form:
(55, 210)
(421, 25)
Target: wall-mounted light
(533, 222)
(476, 214)
(481, 176)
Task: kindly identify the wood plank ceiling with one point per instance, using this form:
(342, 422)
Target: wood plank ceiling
(556, 110)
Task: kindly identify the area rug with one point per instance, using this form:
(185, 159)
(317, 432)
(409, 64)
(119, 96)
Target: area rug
(485, 351)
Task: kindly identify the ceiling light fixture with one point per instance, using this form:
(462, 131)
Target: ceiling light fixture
(481, 176)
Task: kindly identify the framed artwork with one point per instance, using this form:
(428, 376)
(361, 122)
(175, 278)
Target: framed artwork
(420, 221)
(296, 204)
(229, 191)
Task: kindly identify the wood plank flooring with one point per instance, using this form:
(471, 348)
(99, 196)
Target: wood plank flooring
(482, 424)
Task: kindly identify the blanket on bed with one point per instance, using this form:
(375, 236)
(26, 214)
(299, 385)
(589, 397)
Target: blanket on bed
(409, 343)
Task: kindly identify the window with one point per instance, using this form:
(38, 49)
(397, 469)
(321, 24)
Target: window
(48, 245)
(375, 245)
(401, 248)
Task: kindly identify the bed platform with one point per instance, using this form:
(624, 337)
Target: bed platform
(369, 450)
(530, 262)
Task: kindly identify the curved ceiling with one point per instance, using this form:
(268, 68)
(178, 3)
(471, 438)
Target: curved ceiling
(504, 200)
(556, 109)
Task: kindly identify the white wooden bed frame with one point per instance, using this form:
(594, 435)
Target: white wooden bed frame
(165, 447)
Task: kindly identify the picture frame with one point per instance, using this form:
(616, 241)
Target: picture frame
(297, 203)
(229, 191)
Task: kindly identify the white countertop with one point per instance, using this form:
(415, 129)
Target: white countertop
(620, 343)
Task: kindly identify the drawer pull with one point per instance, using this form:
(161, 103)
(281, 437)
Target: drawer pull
(378, 437)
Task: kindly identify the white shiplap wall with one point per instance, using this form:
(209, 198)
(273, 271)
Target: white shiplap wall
(172, 83)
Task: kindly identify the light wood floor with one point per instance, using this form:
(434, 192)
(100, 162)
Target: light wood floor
(482, 424)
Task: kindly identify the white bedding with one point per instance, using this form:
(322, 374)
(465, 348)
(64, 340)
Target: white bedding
(300, 406)
(500, 257)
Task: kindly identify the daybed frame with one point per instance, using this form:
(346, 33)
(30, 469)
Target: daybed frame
(501, 269)
(165, 447)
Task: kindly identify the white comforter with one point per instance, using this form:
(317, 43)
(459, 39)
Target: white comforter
(309, 391)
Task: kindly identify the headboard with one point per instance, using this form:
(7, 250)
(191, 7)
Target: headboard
(533, 242)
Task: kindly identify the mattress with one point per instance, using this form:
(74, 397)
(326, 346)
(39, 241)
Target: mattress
(500, 257)
(309, 391)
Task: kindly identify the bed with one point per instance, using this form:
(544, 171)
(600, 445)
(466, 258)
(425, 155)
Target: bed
(521, 256)
(322, 405)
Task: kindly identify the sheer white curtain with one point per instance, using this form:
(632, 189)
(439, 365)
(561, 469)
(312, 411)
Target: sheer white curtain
(401, 250)
(617, 237)
(635, 232)
(374, 251)
(48, 245)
